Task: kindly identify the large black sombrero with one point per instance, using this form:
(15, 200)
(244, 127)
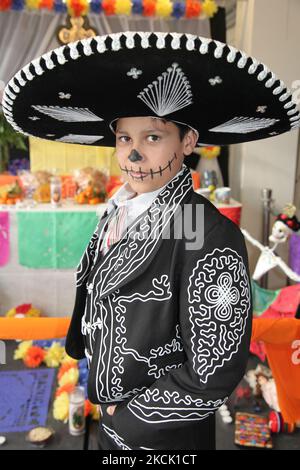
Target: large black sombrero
(75, 93)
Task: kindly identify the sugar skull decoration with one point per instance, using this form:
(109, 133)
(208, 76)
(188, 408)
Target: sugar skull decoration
(286, 223)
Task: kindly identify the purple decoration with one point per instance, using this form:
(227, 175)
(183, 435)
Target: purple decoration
(294, 252)
(83, 376)
(24, 399)
(18, 164)
(96, 6)
(82, 364)
(178, 10)
(17, 5)
(137, 7)
(59, 6)
(43, 343)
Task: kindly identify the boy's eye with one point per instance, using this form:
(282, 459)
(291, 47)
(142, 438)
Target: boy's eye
(150, 135)
(153, 135)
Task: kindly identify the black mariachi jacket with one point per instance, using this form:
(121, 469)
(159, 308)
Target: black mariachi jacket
(166, 329)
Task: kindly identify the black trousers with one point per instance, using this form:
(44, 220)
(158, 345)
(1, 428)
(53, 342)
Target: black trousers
(104, 442)
(205, 440)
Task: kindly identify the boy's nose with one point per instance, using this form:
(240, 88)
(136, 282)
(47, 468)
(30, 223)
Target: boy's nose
(134, 156)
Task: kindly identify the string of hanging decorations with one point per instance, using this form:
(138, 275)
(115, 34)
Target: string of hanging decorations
(188, 9)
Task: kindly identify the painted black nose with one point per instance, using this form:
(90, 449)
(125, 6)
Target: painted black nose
(135, 156)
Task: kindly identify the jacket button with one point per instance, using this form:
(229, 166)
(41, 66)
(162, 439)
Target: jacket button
(90, 288)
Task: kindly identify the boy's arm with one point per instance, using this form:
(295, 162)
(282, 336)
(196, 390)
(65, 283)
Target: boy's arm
(215, 317)
(74, 341)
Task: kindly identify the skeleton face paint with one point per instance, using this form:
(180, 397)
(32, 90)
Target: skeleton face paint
(142, 174)
(149, 151)
(135, 156)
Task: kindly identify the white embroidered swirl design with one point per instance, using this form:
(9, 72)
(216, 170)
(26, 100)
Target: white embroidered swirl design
(219, 305)
(223, 296)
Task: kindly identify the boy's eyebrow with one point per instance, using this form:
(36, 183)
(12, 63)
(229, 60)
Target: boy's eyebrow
(148, 130)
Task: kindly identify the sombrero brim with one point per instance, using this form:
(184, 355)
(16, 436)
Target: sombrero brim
(74, 93)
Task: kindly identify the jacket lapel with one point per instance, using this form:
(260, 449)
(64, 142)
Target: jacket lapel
(131, 255)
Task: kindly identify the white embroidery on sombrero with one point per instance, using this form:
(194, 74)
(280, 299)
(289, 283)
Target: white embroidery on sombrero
(167, 94)
(80, 139)
(67, 113)
(71, 51)
(261, 109)
(295, 124)
(134, 72)
(244, 125)
(215, 81)
(34, 118)
(63, 95)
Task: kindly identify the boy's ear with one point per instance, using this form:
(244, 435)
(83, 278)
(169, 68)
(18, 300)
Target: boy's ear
(190, 141)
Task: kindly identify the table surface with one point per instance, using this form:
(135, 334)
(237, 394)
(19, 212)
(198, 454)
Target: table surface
(66, 206)
(62, 440)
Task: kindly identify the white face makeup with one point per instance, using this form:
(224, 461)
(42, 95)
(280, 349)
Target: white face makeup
(150, 152)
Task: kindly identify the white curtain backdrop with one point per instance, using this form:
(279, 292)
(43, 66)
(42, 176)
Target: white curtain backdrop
(27, 35)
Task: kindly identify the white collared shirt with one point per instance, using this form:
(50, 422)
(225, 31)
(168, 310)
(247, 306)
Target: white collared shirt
(135, 205)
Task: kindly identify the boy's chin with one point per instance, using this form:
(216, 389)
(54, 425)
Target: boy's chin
(143, 186)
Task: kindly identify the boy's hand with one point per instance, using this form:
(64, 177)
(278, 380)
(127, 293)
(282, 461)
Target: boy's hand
(111, 409)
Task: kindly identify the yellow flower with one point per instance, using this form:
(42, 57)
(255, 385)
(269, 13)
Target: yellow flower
(54, 355)
(70, 377)
(33, 312)
(11, 313)
(95, 412)
(21, 350)
(32, 4)
(123, 7)
(209, 7)
(72, 10)
(61, 407)
(68, 359)
(164, 8)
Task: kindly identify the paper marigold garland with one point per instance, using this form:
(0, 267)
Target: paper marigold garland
(164, 8)
(193, 9)
(69, 377)
(210, 8)
(23, 310)
(65, 388)
(123, 7)
(54, 355)
(22, 349)
(108, 7)
(159, 8)
(61, 407)
(34, 356)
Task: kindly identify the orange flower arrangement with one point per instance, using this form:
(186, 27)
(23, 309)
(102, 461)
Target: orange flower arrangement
(34, 356)
(193, 9)
(149, 7)
(65, 388)
(109, 7)
(64, 368)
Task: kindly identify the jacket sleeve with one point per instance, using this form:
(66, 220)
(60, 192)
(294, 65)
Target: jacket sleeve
(74, 341)
(215, 318)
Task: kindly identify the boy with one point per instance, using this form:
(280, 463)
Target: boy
(163, 301)
(180, 315)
